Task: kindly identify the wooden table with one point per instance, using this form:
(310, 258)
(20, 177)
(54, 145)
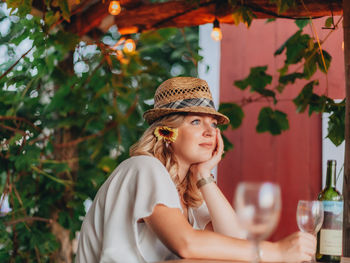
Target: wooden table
(343, 260)
(199, 261)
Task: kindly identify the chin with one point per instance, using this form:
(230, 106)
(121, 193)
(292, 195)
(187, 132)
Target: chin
(203, 158)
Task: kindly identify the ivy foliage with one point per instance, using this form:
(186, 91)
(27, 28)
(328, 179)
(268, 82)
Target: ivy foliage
(303, 52)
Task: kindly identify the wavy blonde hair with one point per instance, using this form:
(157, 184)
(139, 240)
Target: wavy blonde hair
(149, 145)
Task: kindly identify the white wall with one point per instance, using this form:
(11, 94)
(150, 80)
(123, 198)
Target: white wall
(210, 51)
(331, 152)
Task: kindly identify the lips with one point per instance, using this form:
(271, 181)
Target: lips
(207, 145)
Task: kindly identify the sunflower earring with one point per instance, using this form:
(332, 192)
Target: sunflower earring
(167, 134)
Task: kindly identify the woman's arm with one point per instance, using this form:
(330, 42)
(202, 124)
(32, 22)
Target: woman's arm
(223, 217)
(177, 234)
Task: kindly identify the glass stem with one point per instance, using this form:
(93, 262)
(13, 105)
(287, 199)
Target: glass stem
(256, 254)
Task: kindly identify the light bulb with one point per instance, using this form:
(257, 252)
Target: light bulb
(114, 8)
(129, 46)
(216, 34)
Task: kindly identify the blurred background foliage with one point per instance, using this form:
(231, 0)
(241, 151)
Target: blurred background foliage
(70, 109)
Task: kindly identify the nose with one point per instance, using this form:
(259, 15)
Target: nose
(209, 130)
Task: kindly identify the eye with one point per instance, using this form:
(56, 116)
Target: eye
(214, 124)
(195, 122)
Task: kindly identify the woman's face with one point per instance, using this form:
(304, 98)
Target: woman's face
(196, 139)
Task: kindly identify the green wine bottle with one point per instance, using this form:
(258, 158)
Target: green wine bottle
(329, 238)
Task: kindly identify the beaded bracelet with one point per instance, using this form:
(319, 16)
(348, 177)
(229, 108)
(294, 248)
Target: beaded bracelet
(205, 181)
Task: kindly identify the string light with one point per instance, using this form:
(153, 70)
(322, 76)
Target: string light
(216, 32)
(129, 46)
(114, 8)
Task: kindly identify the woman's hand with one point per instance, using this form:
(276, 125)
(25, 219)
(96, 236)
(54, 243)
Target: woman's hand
(297, 247)
(203, 169)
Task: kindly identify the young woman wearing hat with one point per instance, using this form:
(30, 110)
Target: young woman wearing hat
(162, 203)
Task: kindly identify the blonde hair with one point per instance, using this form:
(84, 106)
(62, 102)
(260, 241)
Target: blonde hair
(149, 145)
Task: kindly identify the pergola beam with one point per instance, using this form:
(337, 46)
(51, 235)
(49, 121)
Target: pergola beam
(138, 16)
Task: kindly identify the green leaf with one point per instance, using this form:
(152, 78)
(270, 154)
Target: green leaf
(243, 15)
(301, 23)
(64, 6)
(257, 79)
(304, 97)
(324, 66)
(283, 5)
(29, 156)
(233, 112)
(16, 138)
(267, 93)
(329, 22)
(17, 40)
(280, 87)
(241, 84)
(51, 18)
(295, 46)
(269, 20)
(24, 6)
(67, 40)
(317, 104)
(310, 66)
(272, 121)
(290, 78)
(336, 125)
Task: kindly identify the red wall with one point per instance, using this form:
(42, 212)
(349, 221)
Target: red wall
(292, 159)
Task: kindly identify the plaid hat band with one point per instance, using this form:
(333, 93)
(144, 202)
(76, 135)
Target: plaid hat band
(180, 104)
(183, 95)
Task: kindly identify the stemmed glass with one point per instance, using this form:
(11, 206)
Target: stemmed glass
(258, 207)
(310, 217)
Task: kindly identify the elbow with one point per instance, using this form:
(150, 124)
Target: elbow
(187, 247)
(184, 252)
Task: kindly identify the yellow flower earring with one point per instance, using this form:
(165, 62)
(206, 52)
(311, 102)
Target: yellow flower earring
(167, 134)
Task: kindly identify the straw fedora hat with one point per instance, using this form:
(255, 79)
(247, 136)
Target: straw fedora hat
(183, 94)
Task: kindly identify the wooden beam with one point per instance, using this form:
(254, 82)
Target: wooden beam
(346, 181)
(138, 16)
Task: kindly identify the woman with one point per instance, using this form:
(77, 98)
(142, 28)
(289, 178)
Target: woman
(162, 203)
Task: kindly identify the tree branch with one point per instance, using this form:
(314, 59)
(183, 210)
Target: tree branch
(3, 118)
(10, 68)
(12, 129)
(79, 140)
(29, 218)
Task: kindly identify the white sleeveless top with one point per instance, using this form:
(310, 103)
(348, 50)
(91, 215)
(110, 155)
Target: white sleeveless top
(111, 232)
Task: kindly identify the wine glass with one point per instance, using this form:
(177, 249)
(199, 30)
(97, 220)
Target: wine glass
(310, 217)
(258, 207)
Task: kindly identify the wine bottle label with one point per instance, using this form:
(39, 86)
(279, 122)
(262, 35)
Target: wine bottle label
(330, 242)
(332, 228)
